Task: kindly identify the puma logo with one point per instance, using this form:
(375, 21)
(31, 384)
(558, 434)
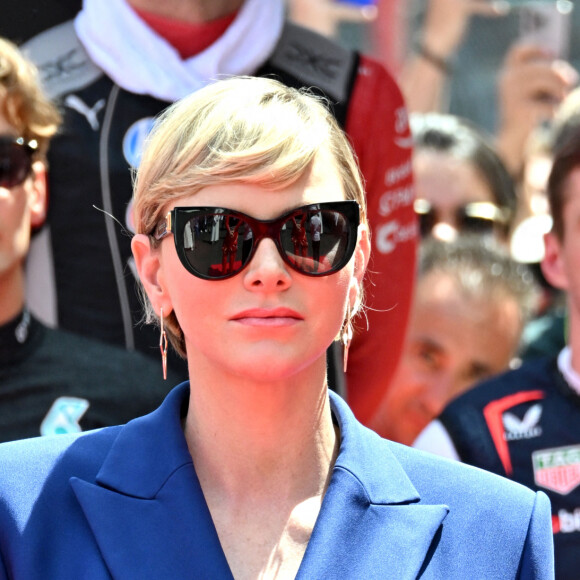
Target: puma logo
(90, 113)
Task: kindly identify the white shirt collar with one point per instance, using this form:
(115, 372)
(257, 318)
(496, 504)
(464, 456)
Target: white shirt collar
(565, 366)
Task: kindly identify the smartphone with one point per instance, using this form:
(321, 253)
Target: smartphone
(546, 24)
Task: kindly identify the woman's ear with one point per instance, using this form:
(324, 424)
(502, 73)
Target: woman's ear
(552, 265)
(148, 266)
(362, 253)
(37, 200)
(361, 260)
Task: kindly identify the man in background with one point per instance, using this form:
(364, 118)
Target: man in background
(52, 381)
(470, 306)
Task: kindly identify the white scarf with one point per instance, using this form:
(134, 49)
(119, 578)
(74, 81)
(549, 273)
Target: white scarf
(140, 61)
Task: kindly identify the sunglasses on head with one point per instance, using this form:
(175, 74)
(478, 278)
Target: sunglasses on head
(15, 160)
(215, 243)
(480, 217)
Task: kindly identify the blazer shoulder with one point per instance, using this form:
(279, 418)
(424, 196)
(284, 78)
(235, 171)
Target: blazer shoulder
(28, 464)
(442, 480)
(485, 506)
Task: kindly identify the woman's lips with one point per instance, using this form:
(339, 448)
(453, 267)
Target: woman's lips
(268, 317)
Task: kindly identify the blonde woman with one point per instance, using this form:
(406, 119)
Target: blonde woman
(253, 469)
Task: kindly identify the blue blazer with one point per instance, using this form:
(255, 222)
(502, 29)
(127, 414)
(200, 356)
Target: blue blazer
(124, 502)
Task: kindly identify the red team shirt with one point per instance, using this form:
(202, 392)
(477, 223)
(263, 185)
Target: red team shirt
(378, 126)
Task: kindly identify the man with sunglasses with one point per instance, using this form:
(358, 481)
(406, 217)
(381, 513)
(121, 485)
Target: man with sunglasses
(52, 381)
(111, 89)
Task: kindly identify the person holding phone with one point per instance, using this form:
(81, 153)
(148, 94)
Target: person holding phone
(519, 77)
(253, 468)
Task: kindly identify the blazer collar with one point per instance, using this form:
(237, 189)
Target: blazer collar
(148, 514)
(149, 449)
(371, 523)
(383, 480)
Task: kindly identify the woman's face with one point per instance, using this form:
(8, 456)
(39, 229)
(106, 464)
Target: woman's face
(448, 185)
(269, 321)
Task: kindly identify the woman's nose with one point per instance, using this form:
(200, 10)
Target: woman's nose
(267, 271)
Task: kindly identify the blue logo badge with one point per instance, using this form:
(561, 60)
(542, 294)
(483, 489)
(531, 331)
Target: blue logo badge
(64, 416)
(134, 139)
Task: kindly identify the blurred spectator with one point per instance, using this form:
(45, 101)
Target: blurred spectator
(112, 85)
(525, 424)
(531, 85)
(52, 381)
(426, 69)
(461, 182)
(545, 335)
(470, 305)
(464, 60)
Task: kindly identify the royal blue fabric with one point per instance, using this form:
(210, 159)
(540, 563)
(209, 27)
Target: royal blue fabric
(124, 502)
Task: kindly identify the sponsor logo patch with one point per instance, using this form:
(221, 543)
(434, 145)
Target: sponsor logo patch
(134, 139)
(526, 428)
(64, 416)
(557, 469)
(89, 113)
(566, 522)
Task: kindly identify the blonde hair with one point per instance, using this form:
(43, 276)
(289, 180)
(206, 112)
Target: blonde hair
(22, 100)
(244, 130)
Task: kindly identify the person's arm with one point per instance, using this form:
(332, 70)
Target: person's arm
(324, 16)
(377, 125)
(424, 74)
(531, 85)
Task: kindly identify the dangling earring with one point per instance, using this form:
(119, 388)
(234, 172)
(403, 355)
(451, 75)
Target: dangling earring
(163, 347)
(346, 336)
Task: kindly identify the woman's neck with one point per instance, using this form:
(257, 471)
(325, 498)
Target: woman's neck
(272, 438)
(263, 453)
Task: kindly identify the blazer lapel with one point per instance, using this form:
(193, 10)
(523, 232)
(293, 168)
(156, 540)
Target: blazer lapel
(371, 518)
(147, 511)
(148, 515)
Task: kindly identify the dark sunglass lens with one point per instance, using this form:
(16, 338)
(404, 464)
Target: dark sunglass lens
(426, 223)
(426, 216)
(216, 244)
(315, 241)
(15, 164)
(476, 225)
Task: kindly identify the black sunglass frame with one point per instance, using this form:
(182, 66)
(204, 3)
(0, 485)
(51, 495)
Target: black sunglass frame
(19, 175)
(176, 220)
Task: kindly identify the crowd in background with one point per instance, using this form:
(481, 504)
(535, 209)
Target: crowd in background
(456, 112)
